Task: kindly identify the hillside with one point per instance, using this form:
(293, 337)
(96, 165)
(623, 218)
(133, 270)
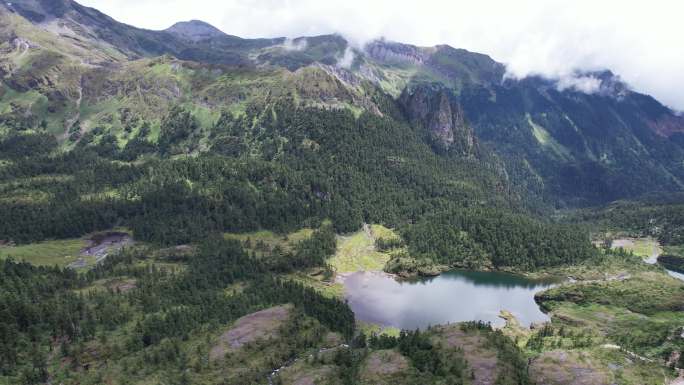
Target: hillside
(182, 207)
(71, 69)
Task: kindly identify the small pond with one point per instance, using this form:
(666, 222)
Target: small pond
(454, 296)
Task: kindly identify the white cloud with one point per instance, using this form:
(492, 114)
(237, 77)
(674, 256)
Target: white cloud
(586, 84)
(295, 44)
(640, 41)
(347, 59)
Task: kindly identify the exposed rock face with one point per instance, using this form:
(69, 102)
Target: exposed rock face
(667, 125)
(385, 51)
(441, 115)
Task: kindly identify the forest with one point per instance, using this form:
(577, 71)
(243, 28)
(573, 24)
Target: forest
(658, 215)
(278, 168)
(473, 237)
(41, 306)
(325, 164)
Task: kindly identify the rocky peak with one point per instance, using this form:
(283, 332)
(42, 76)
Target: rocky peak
(391, 52)
(438, 111)
(195, 30)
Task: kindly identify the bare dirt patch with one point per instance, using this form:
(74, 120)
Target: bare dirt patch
(99, 246)
(178, 253)
(624, 243)
(260, 325)
(301, 374)
(122, 285)
(102, 244)
(482, 360)
(381, 364)
(566, 368)
(332, 339)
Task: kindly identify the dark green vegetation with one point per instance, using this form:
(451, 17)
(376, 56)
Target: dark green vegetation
(59, 325)
(351, 177)
(661, 217)
(182, 135)
(438, 362)
(481, 237)
(46, 322)
(564, 146)
(580, 148)
(639, 311)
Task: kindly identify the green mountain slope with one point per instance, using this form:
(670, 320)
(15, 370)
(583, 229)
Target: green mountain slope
(232, 170)
(70, 70)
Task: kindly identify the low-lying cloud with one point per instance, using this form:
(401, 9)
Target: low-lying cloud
(295, 44)
(554, 38)
(586, 84)
(347, 58)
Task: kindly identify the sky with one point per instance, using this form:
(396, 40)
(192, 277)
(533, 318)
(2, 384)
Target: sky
(641, 41)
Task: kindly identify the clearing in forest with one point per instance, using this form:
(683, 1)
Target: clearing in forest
(49, 253)
(482, 360)
(383, 367)
(567, 368)
(263, 242)
(74, 253)
(646, 248)
(260, 325)
(357, 252)
(302, 373)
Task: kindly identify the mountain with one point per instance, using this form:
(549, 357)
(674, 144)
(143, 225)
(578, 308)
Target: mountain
(71, 69)
(181, 207)
(195, 30)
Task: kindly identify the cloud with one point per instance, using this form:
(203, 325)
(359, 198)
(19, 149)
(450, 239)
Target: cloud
(295, 44)
(555, 38)
(347, 59)
(586, 84)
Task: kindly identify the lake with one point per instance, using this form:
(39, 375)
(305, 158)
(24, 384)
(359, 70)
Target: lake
(454, 296)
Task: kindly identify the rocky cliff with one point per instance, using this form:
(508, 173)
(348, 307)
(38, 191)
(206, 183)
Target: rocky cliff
(436, 110)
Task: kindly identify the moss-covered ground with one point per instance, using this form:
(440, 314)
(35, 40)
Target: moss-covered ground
(49, 253)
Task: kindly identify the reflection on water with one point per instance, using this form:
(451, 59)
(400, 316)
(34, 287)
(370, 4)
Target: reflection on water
(451, 297)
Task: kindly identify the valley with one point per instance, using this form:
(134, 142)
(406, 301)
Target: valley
(184, 206)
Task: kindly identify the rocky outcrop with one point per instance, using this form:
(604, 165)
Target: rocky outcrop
(667, 125)
(438, 112)
(391, 52)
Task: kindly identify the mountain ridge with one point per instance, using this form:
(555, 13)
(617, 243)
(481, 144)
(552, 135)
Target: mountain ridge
(561, 141)
(195, 30)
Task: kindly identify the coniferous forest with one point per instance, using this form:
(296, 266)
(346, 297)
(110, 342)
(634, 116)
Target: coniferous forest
(189, 207)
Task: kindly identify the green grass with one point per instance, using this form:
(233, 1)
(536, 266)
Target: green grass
(599, 326)
(49, 253)
(619, 326)
(264, 241)
(599, 268)
(626, 370)
(380, 231)
(356, 252)
(370, 328)
(546, 140)
(329, 289)
(642, 247)
(31, 99)
(648, 292)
